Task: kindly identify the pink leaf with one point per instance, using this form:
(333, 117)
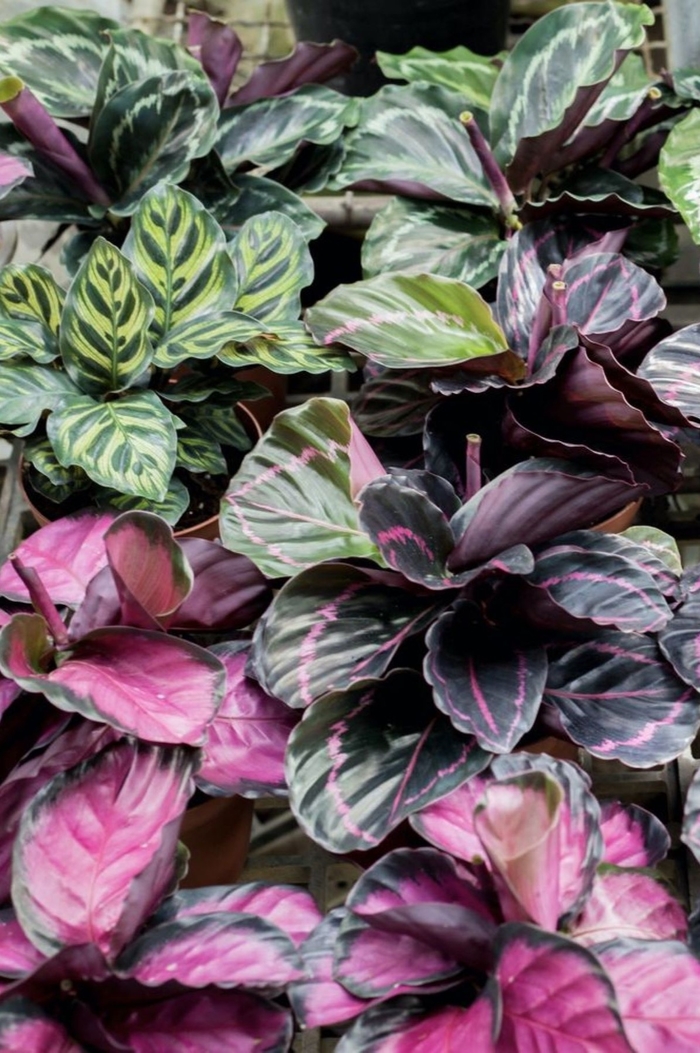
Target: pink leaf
(625, 904)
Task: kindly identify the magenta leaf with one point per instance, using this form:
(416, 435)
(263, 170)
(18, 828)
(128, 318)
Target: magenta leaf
(361, 761)
(18, 955)
(95, 850)
(657, 985)
(364, 463)
(448, 823)
(247, 739)
(407, 1028)
(618, 697)
(555, 996)
(24, 1027)
(307, 64)
(223, 949)
(424, 894)
(632, 836)
(625, 904)
(66, 554)
(290, 908)
(148, 564)
(206, 1021)
(229, 592)
(13, 171)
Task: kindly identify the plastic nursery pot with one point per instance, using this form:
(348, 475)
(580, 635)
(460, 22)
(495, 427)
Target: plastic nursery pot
(217, 835)
(396, 26)
(621, 520)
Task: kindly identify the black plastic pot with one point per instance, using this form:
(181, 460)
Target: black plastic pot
(396, 26)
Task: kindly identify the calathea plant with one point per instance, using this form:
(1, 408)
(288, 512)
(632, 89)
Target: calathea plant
(497, 616)
(534, 922)
(154, 110)
(124, 388)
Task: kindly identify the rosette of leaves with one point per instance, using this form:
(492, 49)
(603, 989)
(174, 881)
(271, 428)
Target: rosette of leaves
(124, 386)
(99, 951)
(156, 110)
(564, 123)
(573, 319)
(421, 633)
(534, 919)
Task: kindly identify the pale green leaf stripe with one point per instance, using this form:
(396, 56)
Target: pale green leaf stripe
(134, 56)
(679, 170)
(219, 424)
(205, 337)
(25, 339)
(104, 331)
(127, 445)
(150, 131)
(288, 349)
(413, 133)
(290, 505)
(58, 53)
(579, 42)
(31, 293)
(26, 391)
(459, 69)
(171, 508)
(197, 453)
(269, 131)
(622, 95)
(40, 454)
(253, 194)
(179, 252)
(273, 264)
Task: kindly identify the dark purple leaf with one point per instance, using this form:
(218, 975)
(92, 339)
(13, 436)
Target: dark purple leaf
(637, 390)
(533, 501)
(24, 1027)
(555, 996)
(290, 908)
(226, 950)
(427, 895)
(148, 564)
(73, 965)
(394, 402)
(95, 851)
(66, 554)
(625, 904)
(679, 643)
(690, 833)
(632, 836)
(246, 740)
(229, 592)
(448, 823)
(618, 697)
(334, 625)
(361, 761)
(672, 370)
(18, 956)
(307, 64)
(406, 1027)
(605, 290)
(488, 687)
(656, 984)
(206, 1021)
(218, 47)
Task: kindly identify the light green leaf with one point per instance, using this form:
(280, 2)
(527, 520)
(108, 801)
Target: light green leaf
(273, 264)
(660, 544)
(135, 56)
(31, 293)
(150, 131)
(26, 339)
(171, 508)
(27, 391)
(58, 54)
(404, 320)
(269, 131)
(420, 236)
(623, 94)
(104, 331)
(679, 170)
(290, 505)
(204, 337)
(413, 133)
(287, 349)
(127, 445)
(253, 195)
(459, 69)
(197, 453)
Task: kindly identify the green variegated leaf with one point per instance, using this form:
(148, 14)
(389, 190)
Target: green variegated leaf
(219, 424)
(127, 445)
(74, 481)
(273, 264)
(252, 195)
(269, 131)
(553, 76)
(405, 320)
(26, 340)
(47, 194)
(204, 337)
(420, 236)
(679, 170)
(150, 131)
(39, 453)
(195, 387)
(198, 453)
(179, 253)
(290, 504)
(459, 69)
(31, 293)
(171, 508)
(288, 349)
(622, 94)
(58, 53)
(413, 133)
(104, 330)
(135, 56)
(26, 391)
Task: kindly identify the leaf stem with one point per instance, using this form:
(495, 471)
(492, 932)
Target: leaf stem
(492, 171)
(41, 601)
(473, 466)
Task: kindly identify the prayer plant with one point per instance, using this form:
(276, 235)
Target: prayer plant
(422, 632)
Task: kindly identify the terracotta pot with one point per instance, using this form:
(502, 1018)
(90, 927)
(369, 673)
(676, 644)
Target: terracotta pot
(621, 520)
(217, 834)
